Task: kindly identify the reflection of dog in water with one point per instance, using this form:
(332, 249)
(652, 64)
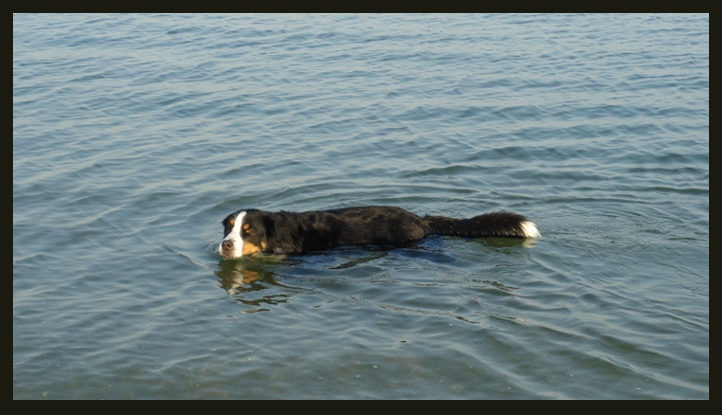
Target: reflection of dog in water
(236, 279)
(250, 231)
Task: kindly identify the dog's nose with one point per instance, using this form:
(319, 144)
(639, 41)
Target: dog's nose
(227, 244)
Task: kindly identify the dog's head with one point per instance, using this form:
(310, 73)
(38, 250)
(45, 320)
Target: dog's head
(244, 233)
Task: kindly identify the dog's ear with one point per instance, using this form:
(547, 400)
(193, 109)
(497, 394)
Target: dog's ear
(281, 232)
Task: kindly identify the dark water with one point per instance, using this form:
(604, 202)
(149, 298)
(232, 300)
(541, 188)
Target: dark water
(133, 136)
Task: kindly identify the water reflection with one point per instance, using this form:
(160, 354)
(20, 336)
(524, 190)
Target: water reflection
(255, 282)
(238, 276)
(244, 278)
(495, 242)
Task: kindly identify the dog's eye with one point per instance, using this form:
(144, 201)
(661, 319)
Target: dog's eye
(248, 231)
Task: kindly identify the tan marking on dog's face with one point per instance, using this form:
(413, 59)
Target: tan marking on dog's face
(249, 248)
(243, 238)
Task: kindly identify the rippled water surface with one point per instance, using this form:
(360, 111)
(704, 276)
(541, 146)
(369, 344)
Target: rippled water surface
(133, 136)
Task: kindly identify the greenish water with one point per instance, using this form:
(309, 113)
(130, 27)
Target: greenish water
(135, 135)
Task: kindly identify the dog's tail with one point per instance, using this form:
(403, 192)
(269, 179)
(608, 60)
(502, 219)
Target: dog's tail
(489, 224)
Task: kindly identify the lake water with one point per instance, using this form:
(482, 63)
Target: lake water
(135, 135)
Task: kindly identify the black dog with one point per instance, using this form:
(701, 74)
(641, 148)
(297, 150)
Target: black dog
(249, 231)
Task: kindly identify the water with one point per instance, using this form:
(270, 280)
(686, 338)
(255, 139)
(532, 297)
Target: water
(133, 136)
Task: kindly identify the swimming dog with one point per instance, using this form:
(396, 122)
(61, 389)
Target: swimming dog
(250, 231)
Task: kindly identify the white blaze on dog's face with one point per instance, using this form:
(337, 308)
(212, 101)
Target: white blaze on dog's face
(232, 245)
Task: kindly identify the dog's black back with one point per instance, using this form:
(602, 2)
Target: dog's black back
(297, 233)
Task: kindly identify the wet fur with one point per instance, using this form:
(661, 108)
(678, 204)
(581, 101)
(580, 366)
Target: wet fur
(302, 232)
